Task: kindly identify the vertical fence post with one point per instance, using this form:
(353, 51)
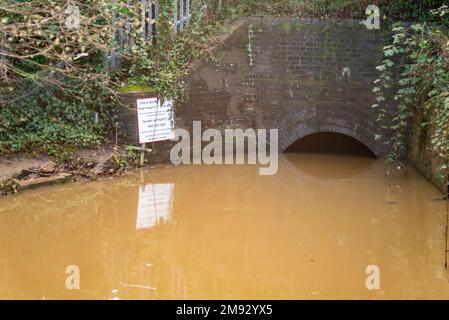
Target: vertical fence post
(187, 12)
(150, 18)
(143, 8)
(181, 14)
(120, 30)
(156, 16)
(175, 16)
(3, 61)
(114, 35)
(128, 29)
(3, 56)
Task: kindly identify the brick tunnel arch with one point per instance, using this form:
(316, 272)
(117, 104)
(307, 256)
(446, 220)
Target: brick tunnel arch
(292, 129)
(351, 145)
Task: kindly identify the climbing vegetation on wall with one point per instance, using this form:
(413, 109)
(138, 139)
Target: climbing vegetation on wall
(415, 73)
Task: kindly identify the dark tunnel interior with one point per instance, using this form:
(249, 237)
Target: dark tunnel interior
(330, 143)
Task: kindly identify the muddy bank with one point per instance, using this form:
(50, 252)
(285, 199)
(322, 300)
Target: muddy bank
(24, 171)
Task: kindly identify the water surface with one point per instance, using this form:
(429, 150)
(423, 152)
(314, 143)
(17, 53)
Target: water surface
(225, 232)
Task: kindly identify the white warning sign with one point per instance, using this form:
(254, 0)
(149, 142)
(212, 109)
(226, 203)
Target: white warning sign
(155, 120)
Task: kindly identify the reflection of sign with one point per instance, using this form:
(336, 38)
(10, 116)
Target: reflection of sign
(154, 204)
(155, 120)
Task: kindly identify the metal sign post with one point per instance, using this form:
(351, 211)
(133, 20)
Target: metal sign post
(142, 155)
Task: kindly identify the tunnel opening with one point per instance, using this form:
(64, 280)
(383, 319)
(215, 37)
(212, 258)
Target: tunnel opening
(330, 143)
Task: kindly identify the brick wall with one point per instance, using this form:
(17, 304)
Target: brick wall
(300, 76)
(420, 153)
(316, 76)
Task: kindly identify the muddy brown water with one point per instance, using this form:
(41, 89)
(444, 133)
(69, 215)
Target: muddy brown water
(225, 232)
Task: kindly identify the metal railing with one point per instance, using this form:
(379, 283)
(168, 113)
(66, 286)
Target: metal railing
(181, 14)
(121, 27)
(149, 12)
(149, 19)
(150, 16)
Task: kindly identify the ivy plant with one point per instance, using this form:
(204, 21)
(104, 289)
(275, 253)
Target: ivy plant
(415, 72)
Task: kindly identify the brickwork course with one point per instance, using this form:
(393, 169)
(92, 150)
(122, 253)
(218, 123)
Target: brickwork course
(300, 76)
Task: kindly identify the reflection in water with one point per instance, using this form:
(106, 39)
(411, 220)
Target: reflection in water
(357, 165)
(226, 232)
(154, 204)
